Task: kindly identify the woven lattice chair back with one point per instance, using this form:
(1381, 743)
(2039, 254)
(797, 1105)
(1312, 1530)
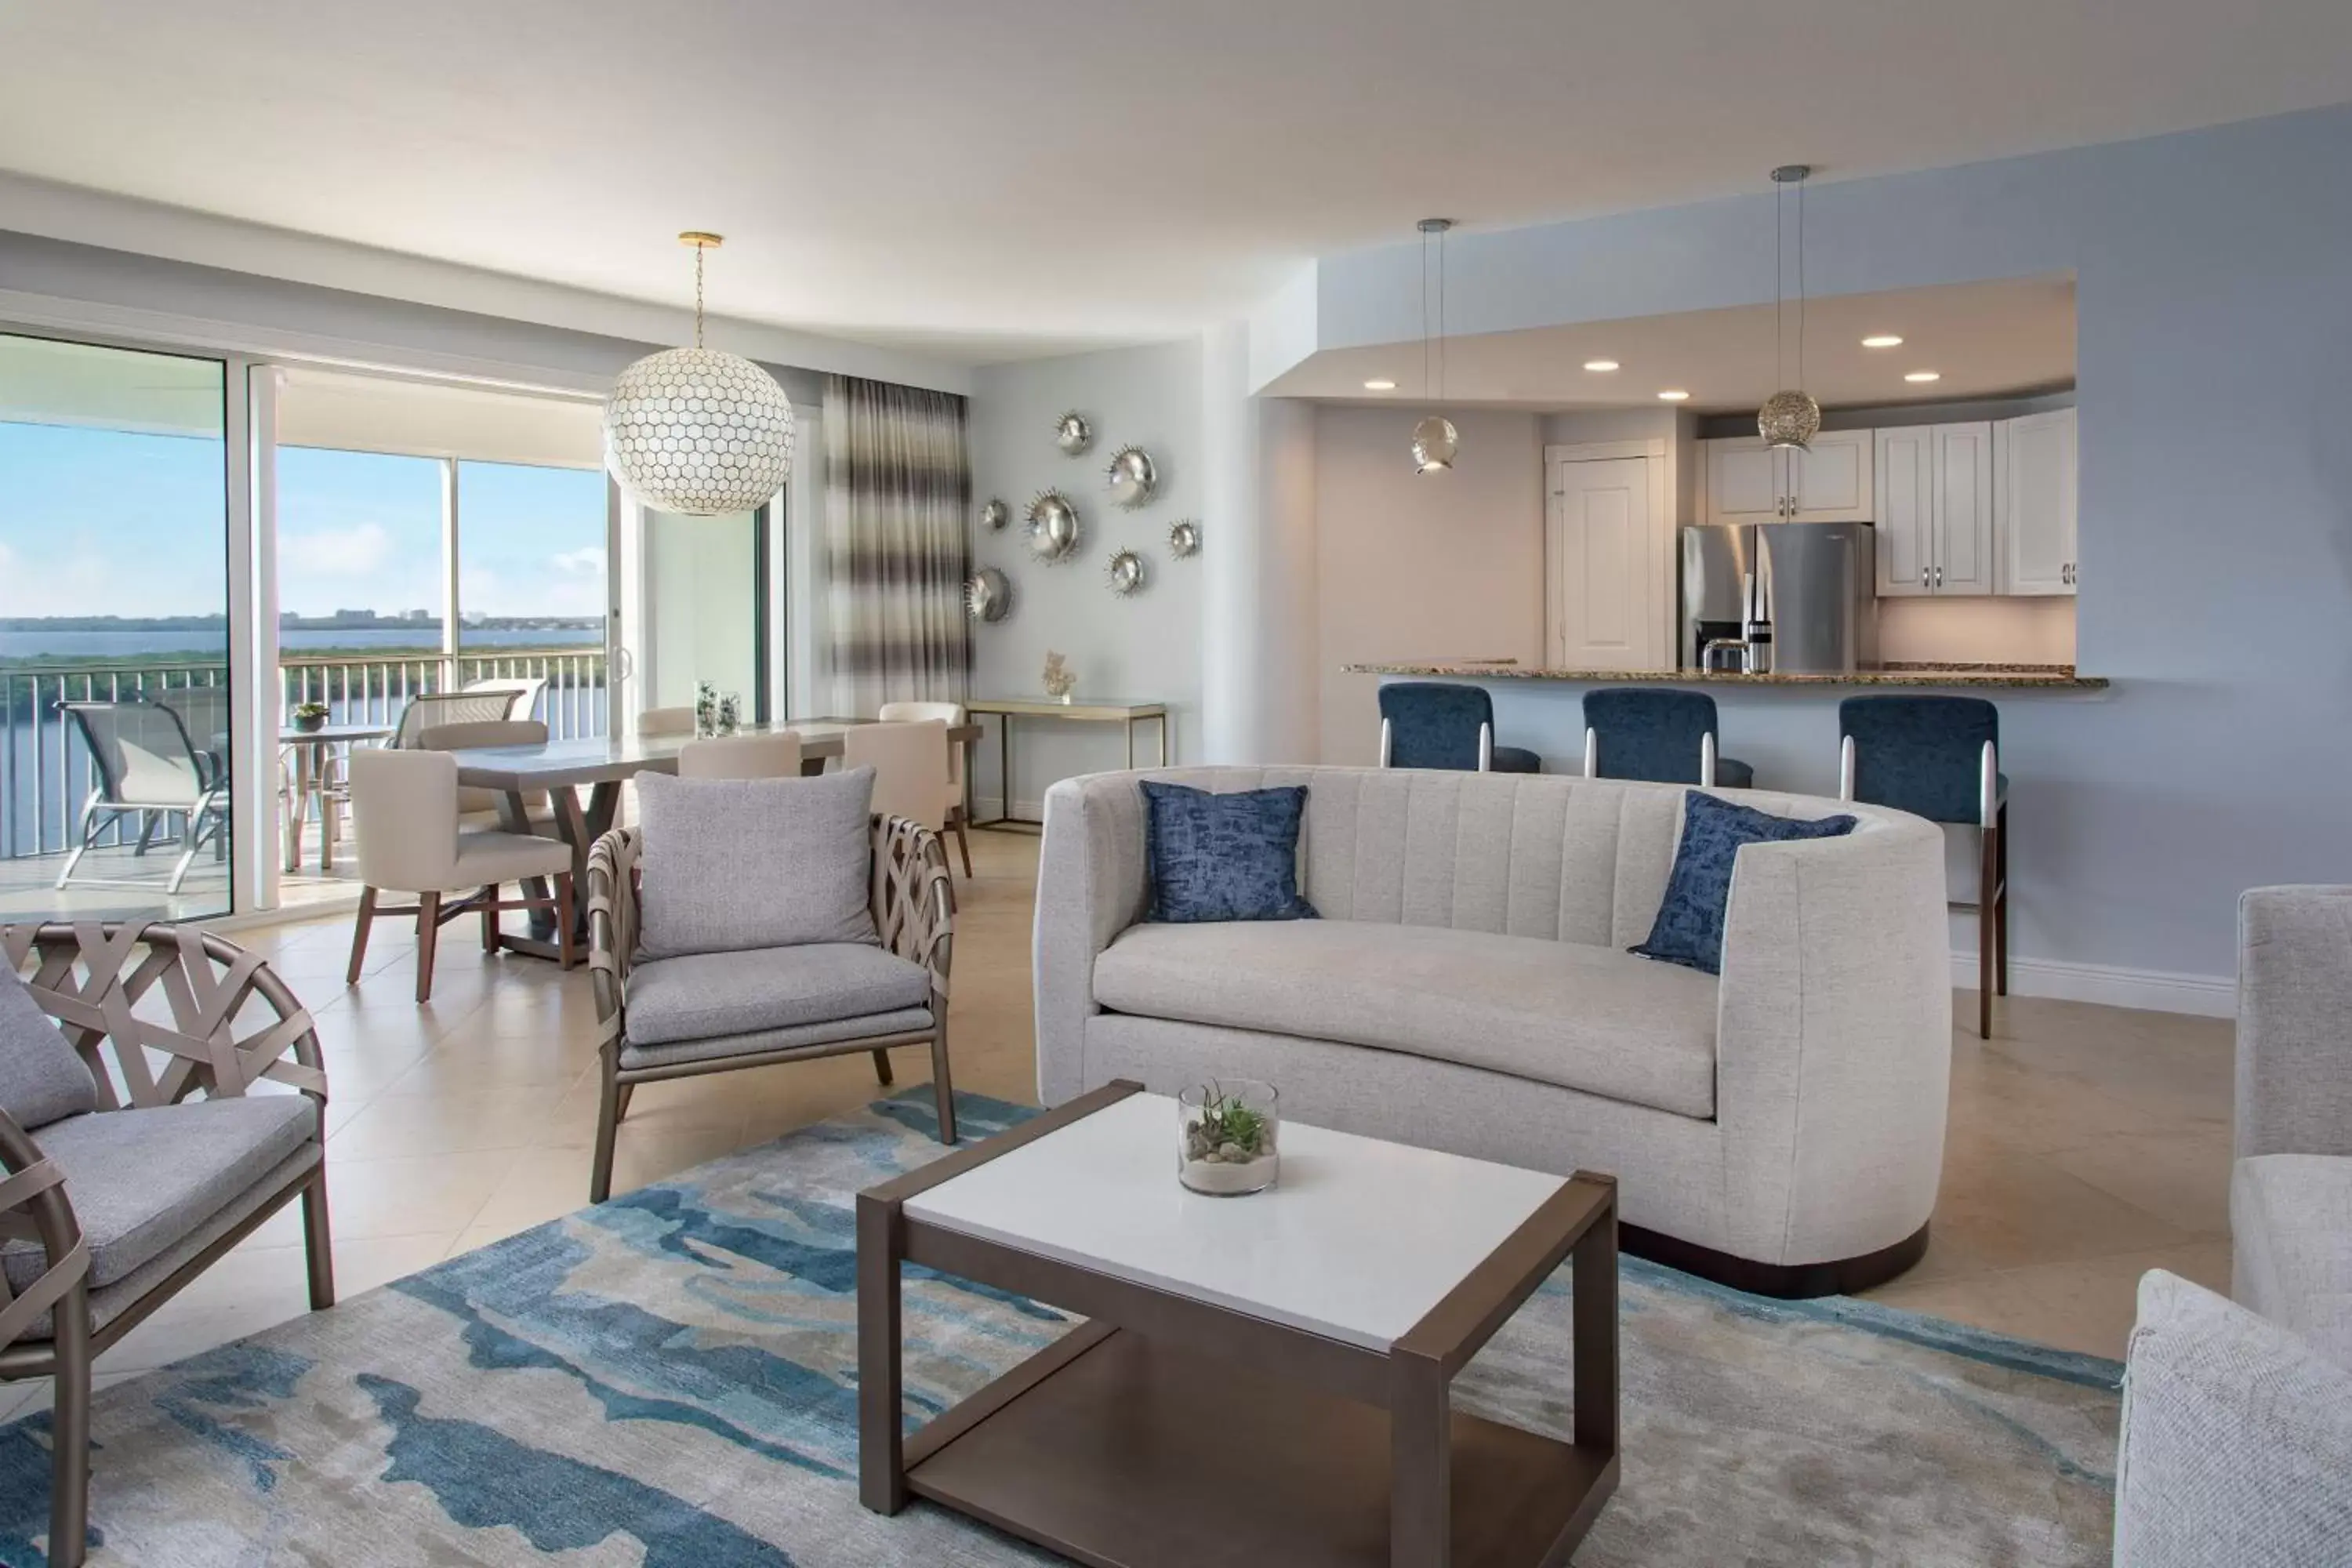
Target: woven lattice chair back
(32, 1208)
(910, 895)
(161, 1012)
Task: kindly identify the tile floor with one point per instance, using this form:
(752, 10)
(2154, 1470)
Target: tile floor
(2087, 1143)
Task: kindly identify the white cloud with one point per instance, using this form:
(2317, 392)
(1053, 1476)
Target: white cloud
(337, 553)
(588, 561)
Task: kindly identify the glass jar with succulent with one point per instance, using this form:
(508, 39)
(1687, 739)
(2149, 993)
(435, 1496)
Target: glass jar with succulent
(311, 716)
(1226, 1135)
(730, 712)
(706, 709)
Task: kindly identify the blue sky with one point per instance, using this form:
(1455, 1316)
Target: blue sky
(98, 522)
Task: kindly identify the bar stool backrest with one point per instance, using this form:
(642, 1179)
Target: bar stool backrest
(1644, 732)
(1924, 755)
(1435, 724)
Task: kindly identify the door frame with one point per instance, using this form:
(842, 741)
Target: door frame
(1655, 451)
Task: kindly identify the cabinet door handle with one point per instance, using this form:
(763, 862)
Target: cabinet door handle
(1940, 576)
(1923, 577)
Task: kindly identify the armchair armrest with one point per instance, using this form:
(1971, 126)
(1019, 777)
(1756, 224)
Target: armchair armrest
(1833, 1040)
(612, 929)
(1092, 882)
(2237, 1438)
(2294, 1021)
(914, 907)
(33, 1207)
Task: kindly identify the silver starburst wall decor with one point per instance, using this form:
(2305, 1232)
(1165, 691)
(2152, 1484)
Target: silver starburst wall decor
(1052, 523)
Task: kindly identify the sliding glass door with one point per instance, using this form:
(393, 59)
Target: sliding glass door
(707, 608)
(116, 671)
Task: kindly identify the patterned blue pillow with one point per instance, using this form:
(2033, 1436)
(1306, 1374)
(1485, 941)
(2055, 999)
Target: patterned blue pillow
(1225, 856)
(1689, 927)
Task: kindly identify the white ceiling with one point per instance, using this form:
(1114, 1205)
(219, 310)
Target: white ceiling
(993, 181)
(1981, 338)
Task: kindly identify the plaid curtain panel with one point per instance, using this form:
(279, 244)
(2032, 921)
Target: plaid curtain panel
(898, 485)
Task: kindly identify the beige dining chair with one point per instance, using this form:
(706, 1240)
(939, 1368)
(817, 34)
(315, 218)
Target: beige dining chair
(950, 714)
(655, 722)
(479, 807)
(909, 762)
(773, 756)
(405, 811)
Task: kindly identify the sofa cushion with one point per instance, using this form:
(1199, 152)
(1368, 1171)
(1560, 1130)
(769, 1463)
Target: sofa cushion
(1584, 1017)
(141, 1181)
(1230, 856)
(1689, 927)
(41, 1078)
(2291, 1217)
(703, 994)
(731, 864)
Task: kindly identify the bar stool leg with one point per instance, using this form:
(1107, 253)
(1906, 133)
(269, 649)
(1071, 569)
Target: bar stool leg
(1988, 919)
(2000, 910)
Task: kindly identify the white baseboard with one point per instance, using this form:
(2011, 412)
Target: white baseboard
(2154, 990)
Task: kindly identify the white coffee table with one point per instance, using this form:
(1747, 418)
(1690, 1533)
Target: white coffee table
(1261, 1380)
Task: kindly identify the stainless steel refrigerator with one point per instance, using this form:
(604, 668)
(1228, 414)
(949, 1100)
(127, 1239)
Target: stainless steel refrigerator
(1816, 584)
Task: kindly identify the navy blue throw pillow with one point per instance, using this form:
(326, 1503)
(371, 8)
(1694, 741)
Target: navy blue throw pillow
(1225, 856)
(1689, 927)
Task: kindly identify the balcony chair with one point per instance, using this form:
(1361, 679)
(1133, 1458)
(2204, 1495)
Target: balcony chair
(432, 709)
(145, 763)
(203, 715)
(771, 756)
(714, 1008)
(1665, 737)
(953, 715)
(1434, 724)
(523, 693)
(405, 810)
(125, 1180)
(1939, 757)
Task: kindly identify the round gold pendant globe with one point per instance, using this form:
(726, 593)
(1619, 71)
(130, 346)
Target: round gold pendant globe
(1789, 419)
(1435, 443)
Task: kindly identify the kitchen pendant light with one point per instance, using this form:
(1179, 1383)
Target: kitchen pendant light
(1789, 417)
(698, 431)
(1434, 439)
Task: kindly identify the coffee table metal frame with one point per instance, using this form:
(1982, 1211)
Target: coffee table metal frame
(1089, 1448)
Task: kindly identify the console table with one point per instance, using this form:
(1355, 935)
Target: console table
(1127, 715)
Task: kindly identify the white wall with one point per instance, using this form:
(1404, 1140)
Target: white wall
(1146, 647)
(1414, 566)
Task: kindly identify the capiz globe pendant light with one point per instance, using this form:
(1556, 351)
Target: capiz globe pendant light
(1434, 439)
(698, 431)
(1790, 418)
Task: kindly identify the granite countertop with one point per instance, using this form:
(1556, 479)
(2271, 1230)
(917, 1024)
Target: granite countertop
(2011, 677)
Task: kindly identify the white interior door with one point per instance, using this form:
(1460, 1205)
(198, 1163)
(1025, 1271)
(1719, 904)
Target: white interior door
(1604, 551)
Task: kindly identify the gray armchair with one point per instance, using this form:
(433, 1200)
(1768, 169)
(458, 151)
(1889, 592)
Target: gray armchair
(716, 1011)
(124, 1179)
(2236, 1441)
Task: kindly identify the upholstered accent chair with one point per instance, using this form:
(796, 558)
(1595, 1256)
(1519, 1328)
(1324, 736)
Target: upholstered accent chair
(1939, 757)
(124, 1179)
(1438, 724)
(2237, 1433)
(687, 1014)
(1665, 737)
(405, 809)
(952, 714)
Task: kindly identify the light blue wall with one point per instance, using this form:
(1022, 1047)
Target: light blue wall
(2215, 385)
(1144, 648)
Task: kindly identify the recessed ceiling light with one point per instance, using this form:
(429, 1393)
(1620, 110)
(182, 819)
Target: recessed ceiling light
(1673, 394)
(1601, 364)
(1883, 340)
(1923, 375)
(1379, 386)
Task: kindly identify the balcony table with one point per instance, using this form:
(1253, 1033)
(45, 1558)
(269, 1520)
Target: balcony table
(311, 754)
(601, 765)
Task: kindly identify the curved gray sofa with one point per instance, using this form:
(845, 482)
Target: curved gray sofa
(1780, 1129)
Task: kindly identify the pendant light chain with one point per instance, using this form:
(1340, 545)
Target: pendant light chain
(1440, 315)
(700, 251)
(1801, 282)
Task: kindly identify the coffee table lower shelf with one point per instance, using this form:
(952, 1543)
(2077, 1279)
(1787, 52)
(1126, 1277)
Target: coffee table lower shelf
(1119, 1451)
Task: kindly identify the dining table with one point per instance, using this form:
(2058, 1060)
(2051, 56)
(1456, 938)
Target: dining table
(599, 766)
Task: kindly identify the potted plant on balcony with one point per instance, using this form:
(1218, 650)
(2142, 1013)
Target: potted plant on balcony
(311, 717)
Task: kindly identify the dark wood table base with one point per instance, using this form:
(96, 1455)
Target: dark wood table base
(1195, 1433)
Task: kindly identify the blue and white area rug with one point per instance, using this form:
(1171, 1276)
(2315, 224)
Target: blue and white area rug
(670, 1380)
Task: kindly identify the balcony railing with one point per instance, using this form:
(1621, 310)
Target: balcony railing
(46, 771)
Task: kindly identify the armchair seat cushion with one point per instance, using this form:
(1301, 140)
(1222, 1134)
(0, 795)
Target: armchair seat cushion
(2291, 1217)
(636, 1058)
(1555, 1011)
(700, 995)
(143, 1181)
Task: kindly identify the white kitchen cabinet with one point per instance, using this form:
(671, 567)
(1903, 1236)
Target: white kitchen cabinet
(1935, 507)
(1747, 481)
(2034, 479)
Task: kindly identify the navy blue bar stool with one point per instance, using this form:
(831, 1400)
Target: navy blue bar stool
(1665, 737)
(1433, 724)
(1939, 757)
